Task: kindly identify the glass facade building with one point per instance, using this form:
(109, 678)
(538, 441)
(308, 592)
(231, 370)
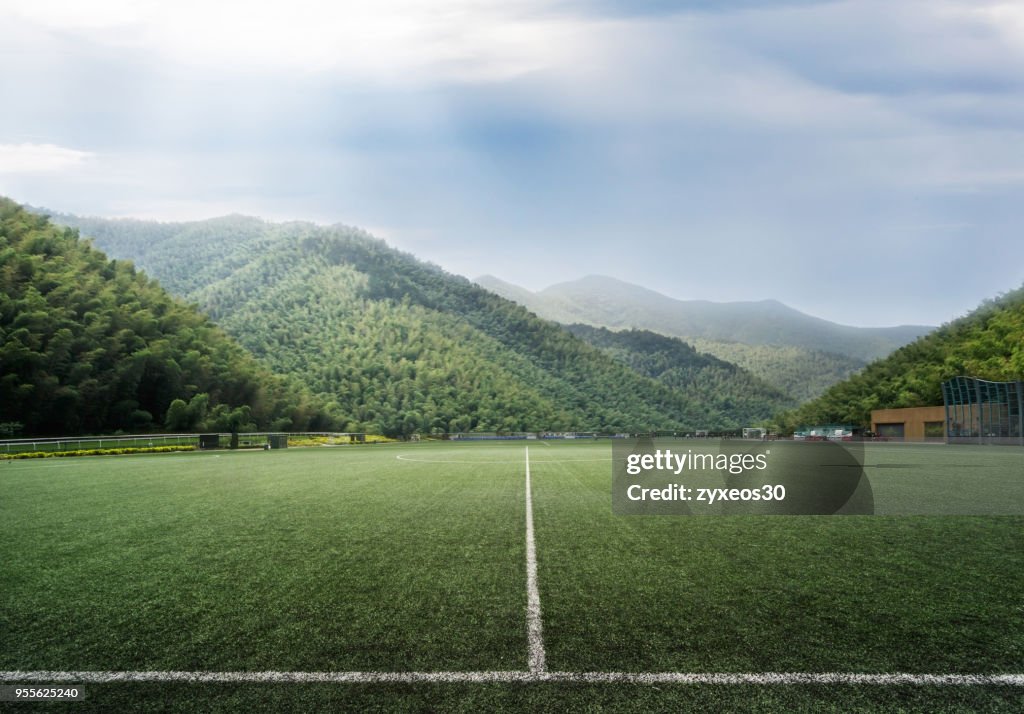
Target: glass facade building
(983, 412)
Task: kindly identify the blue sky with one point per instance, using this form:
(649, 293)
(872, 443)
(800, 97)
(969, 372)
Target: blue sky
(861, 161)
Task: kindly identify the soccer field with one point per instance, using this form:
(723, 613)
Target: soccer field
(400, 577)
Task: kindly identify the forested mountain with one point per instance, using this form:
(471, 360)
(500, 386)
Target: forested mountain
(401, 345)
(796, 353)
(799, 372)
(988, 343)
(92, 345)
(719, 384)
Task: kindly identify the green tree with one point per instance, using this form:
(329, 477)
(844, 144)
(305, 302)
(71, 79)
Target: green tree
(177, 418)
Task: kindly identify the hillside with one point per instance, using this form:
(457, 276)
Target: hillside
(91, 345)
(401, 345)
(719, 384)
(794, 352)
(987, 343)
(799, 372)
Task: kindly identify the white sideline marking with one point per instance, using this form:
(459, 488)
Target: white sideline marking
(534, 629)
(728, 678)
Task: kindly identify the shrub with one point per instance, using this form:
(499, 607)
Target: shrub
(96, 452)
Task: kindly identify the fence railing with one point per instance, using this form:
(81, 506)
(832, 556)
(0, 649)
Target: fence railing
(126, 441)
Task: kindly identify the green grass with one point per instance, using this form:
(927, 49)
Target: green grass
(939, 478)
(473, 698)
(336, 559)
(310, 560)
(804, 593)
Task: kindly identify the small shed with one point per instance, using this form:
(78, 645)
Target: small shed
(209, 441)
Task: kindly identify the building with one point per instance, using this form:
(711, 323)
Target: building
(912, 424)
(975, 411)
(827, 432)
(983, 412)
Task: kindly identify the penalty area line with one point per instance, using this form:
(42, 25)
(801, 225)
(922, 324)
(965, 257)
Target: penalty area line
(719, 678)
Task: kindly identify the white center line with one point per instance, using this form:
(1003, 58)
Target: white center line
(534, 629)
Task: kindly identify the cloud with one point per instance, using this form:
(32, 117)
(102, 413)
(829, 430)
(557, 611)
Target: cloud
(873, 47)
(388, 40)
(768, 137)
(40, 158)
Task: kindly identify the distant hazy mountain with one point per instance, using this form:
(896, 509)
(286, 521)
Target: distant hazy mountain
(399, 345)
(795, 352)
(603, 301)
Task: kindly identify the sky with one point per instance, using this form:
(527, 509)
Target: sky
(860, 161)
